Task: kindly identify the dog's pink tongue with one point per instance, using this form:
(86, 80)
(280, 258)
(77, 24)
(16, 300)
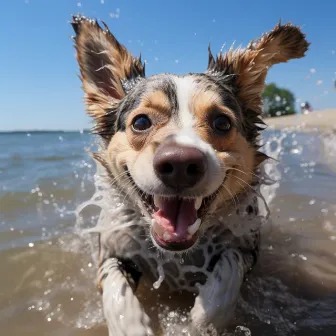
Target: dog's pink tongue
(176, 215)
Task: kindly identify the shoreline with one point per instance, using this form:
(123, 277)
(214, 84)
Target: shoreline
(317, 120)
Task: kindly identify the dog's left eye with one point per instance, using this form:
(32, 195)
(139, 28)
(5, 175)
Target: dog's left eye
(141, 123)
(221, 124)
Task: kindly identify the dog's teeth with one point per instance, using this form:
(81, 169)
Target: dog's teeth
(157, 201)
(166, 236)
(193, 228)
(198, 202)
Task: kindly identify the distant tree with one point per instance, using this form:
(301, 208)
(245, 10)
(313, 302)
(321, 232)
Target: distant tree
(278, 101)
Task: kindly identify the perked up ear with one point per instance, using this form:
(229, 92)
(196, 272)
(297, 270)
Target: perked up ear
(104, 64)
(249, 66)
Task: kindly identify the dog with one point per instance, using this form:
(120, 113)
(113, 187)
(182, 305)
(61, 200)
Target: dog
(181, 154)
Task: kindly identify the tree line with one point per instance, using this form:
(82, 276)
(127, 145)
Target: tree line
(278, 101)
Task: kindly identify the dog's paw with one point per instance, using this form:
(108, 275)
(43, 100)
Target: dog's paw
(217, 298)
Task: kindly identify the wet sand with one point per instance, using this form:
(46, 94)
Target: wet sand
(321, 120)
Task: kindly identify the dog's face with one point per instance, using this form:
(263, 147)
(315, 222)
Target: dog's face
(179, 150)
(180, 147)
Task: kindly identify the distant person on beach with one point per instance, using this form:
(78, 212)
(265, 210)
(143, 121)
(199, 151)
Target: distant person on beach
(306, 108)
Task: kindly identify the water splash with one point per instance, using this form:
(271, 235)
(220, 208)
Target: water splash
(158, 283)
(274, 144)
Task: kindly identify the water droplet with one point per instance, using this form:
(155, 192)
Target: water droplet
(242, 331)
(159, 281)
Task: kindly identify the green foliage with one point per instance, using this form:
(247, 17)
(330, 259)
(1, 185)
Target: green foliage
(278, 101)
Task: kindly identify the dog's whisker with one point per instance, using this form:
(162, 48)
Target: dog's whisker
(243, 172)
(229, 192)
(243, 187)
(238, 178)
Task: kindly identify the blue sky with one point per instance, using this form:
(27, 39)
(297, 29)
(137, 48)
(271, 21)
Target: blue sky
(39, 87)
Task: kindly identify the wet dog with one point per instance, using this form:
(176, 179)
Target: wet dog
(181, 153)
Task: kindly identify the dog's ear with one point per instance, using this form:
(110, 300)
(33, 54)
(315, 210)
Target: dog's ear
(104, 64)
(249, 66)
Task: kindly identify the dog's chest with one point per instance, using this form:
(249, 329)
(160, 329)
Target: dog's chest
(180, 271)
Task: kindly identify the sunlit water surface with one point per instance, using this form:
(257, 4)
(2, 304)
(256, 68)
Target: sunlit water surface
(48, 265)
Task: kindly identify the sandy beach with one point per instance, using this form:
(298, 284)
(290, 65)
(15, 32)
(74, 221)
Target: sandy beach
(322, 120)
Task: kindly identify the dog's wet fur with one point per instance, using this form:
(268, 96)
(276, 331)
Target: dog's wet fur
(180, 148)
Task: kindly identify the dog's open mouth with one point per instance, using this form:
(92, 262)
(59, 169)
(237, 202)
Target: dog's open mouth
(176, 221)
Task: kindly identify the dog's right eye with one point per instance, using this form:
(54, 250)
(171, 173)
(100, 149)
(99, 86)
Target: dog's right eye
(141, 123)
(221, 124)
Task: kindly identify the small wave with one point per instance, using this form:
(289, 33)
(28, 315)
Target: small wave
(57, 158)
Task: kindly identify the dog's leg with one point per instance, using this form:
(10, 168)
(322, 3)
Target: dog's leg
(123, 311)
(217, 298)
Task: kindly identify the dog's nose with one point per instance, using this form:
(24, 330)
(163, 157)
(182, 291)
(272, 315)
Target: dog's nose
(179, 166)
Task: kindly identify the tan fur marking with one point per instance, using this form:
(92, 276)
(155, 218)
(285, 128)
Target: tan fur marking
(233, 149)
(203, 101)
(241, 157)
(119, 149)
(206, 106)
(157, 100)
(156, 106)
